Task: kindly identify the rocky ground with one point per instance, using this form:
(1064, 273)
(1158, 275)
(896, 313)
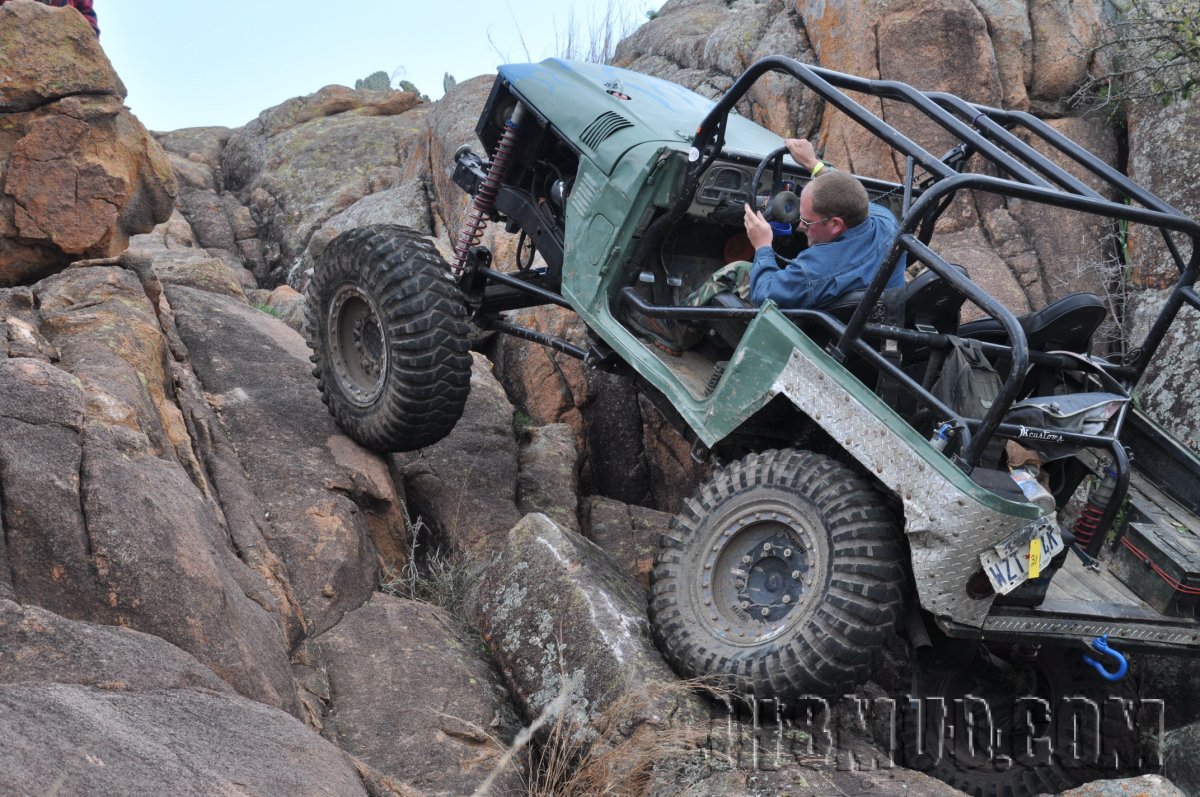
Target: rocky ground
(206, 588)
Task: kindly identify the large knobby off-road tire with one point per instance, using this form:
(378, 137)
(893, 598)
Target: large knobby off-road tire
(1041, 723)
(388, 332)
(785, 576)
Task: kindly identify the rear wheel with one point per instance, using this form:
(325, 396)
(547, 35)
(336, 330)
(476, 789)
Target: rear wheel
(388, 332)
(1018, 726)
(784, 575)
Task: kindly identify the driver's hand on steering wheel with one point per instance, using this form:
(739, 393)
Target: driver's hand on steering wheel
(802, 152)
(757, 229)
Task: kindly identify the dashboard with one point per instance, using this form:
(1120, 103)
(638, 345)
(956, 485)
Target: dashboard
(725, 187)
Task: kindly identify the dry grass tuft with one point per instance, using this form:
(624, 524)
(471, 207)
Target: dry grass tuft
(431, 575)
(617, 754)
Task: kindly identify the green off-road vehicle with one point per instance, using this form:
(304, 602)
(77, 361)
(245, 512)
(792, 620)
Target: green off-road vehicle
(986, 488)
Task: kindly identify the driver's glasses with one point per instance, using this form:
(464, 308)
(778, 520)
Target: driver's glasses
(805, 223)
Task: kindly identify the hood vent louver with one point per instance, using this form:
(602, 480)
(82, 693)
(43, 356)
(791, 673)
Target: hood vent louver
(603, 126)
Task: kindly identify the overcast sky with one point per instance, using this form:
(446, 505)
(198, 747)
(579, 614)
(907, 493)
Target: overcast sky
(220, 62)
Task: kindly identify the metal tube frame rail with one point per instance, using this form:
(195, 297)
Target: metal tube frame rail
(933, 340)
(556, 343)
(994, 141)
(875, 358)
(499, 277)
(629, 296)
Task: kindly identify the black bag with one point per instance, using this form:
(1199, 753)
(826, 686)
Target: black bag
(968, 383)
(1087, 413)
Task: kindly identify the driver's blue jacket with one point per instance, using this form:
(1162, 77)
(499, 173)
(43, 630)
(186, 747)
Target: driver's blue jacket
(823, 272)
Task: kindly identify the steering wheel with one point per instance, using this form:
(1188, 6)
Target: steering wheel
(781, 205)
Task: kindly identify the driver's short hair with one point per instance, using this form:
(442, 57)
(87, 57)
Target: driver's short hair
(839, 194)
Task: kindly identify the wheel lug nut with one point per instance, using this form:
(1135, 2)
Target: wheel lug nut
(765, 612)
(787, 552)
(796, 575)
(745, 604)
(767, 547)
(787, 598)
(746, 559)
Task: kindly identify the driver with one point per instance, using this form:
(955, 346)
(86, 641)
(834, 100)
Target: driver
(848, 238)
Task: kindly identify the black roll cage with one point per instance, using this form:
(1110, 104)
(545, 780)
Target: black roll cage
(1027, 174)
(1030, 176)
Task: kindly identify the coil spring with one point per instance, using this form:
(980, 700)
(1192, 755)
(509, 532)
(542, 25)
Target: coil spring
(1093, 509)
(1088, 522)
(471, 232)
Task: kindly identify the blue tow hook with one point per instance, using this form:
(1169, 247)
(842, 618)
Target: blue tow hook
(1100, 645)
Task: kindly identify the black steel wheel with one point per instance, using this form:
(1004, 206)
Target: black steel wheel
(389, 334)
(784, 575)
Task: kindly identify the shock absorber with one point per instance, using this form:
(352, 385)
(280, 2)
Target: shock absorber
(1093, 510)
(471, 231)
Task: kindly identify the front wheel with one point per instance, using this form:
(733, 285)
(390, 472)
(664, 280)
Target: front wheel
(784, 575)
(389, 335)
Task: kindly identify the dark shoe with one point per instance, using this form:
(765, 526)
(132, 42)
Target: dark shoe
(673, 337)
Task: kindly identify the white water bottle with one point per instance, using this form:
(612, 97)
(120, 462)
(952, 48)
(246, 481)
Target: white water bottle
(1035, 493)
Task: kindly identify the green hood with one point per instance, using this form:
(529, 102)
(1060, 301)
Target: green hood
(605, 110)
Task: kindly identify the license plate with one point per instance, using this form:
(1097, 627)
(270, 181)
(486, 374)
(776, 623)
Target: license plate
(1007, 564)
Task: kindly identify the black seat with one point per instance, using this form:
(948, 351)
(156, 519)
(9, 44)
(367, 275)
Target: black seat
(731, 331)
(1063, 325)
(887, 309)
(932, 302)
(844, 306)
(841, 308)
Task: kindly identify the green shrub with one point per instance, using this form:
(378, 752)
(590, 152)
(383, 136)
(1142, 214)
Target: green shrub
(376, 81)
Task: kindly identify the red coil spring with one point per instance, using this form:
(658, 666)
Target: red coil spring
(471, 232)
(1089, 521)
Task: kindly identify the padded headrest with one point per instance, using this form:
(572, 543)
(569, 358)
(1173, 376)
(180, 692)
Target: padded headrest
(932, 301)
(1063, 325)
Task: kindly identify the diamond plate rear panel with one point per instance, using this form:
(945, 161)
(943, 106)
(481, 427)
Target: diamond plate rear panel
(946, 528)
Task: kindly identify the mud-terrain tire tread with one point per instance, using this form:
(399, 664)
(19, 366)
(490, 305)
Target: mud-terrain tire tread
(842, 635)
(1064, 670)
(425, 327)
